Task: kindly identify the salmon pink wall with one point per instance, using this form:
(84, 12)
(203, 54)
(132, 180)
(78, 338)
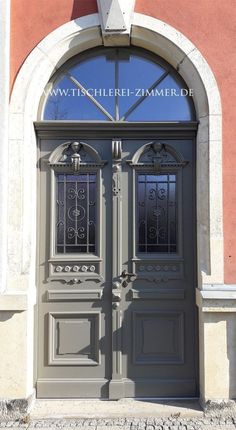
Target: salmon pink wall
(32, 20)
(209, 24)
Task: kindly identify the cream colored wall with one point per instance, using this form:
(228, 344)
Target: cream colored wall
(217, 328)
(13, 362)
(218, 378)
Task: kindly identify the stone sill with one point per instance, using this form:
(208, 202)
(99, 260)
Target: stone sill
(222, 299)
(14, 301)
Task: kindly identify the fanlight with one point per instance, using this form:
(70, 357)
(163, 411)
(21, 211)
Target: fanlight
(117, 85)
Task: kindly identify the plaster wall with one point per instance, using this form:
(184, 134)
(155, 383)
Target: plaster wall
(13, 366)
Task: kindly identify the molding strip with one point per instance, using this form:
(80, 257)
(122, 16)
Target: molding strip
(221, 300)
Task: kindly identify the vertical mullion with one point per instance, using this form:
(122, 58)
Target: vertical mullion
(65, 204)
(146, 203)
(176, 214)
(76, 206)
(87, 226)
(167, 213)
(117, 113)
(57, 225)
(157, 223)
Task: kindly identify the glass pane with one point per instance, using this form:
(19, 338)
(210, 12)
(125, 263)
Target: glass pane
(157, 214)
(136, 74)
(116, 80)
(66, 103)
(98, 76)
(76, 213)
(167, 102)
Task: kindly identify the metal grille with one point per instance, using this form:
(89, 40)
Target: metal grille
(157, 214)
(76, 213)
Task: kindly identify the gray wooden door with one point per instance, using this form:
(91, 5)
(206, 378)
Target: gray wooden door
(116, 268)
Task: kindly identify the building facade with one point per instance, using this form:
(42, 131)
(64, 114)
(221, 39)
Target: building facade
(117, 251)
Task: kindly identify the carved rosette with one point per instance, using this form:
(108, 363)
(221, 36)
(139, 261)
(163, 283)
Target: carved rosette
(74, 273)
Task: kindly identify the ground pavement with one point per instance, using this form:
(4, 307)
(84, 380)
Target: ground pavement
(126, 414)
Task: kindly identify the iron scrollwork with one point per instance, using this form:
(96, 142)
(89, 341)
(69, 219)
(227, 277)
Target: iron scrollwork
(75, 171)
(158, 165)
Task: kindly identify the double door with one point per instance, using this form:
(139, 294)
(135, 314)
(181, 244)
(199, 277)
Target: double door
(116, 277)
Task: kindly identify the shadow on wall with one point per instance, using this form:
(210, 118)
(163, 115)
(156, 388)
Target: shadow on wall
(5, 315)
(83, 7)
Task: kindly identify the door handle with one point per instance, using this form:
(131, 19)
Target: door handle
(127, 277)
(125, 273)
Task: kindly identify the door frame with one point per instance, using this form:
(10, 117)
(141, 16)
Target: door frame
(103, 130)
(19, 147)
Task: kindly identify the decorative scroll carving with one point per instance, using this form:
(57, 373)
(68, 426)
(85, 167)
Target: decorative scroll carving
(116, 188)
(116, 167)
(74, 156)
(157, 155)
(76, 280)
(116, 207)
(80, 280)
(116, 264)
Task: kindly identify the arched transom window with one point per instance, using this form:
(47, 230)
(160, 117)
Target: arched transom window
(117, 84)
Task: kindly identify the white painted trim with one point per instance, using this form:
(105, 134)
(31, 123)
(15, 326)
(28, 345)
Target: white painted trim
(216, 301)
(218, 294)
(4, 105)
(219, 287)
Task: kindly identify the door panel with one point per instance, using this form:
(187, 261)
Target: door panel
(158, 249)
(74, 270)
(117, 269)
